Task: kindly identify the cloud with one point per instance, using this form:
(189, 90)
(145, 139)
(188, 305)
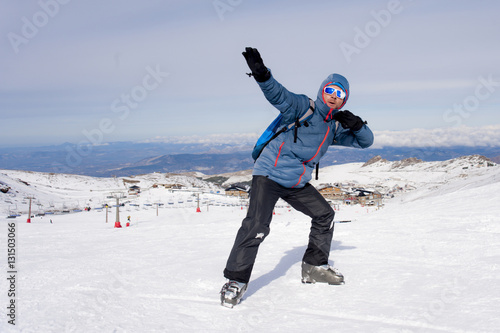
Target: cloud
(440, 137)
(66, 76)
(235, 138)
(399, 86)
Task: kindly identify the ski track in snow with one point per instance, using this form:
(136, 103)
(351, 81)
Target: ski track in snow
(429, 261)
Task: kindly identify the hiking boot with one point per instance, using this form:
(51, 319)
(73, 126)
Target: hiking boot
(324, 273)
(232, 292)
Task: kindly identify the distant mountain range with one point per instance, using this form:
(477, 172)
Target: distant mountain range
(128, 158)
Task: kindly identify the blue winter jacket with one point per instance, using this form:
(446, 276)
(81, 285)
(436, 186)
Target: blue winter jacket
(291, 164)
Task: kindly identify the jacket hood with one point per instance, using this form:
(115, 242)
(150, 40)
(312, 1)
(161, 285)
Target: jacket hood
(338, 80)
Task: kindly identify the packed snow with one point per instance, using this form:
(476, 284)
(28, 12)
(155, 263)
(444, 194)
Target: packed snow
(428, 260)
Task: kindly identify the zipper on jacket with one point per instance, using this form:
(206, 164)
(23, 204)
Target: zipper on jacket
(317, 152)
(279, 153)
(329, 115)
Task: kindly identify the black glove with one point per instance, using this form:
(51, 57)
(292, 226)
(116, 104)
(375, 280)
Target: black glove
(348, 120)
(256, 65)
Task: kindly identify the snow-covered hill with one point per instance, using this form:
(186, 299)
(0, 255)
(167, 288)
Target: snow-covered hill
(57, 192)
(384, 175)
(407, 174)
(428, 261)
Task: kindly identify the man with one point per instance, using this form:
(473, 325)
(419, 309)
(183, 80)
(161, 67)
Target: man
(284, 169)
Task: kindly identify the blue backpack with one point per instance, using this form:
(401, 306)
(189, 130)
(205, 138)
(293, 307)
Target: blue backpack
(273, 130)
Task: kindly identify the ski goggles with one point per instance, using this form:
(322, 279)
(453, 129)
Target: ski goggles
(335, 92)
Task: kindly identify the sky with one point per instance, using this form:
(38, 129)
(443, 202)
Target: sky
(101, 71)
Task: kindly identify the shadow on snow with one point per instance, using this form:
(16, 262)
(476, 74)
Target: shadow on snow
(290, 258)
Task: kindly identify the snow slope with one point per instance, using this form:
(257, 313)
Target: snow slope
(429, 261)
(55, 192)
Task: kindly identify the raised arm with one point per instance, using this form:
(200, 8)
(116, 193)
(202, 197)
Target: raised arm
(289, 104)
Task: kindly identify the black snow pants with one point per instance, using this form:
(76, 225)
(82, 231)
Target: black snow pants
(255, 227)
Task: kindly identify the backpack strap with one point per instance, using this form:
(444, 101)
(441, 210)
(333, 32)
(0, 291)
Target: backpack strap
(305, 116)
(299, 121)
(335, 133)
(263, 141)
